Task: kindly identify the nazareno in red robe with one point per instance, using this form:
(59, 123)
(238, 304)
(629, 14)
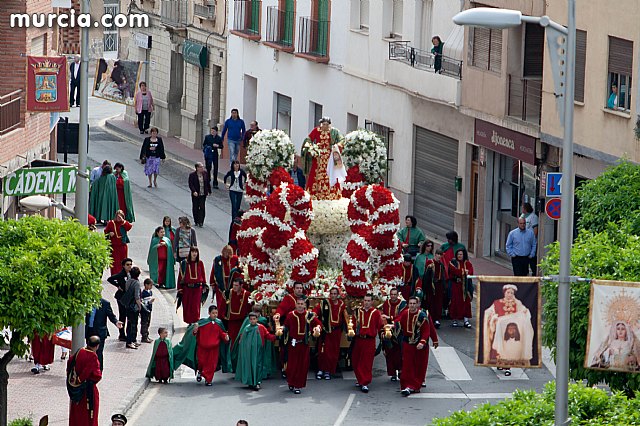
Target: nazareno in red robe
(329, 343)
(392, 353)
(298, 354)
(415, 361)
(42, 349)
(368, 325)
(119, 249)
(209, 337)
(190, 282)
(460, 302)
(88, 368)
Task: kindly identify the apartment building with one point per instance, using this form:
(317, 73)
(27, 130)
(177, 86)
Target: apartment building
(184, 51)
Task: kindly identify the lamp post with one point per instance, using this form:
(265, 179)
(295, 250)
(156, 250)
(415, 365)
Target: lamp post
(563, 67)
(37, 203)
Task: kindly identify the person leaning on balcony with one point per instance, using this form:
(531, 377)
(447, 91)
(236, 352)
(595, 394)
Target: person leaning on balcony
(438, 45)
(612, 103)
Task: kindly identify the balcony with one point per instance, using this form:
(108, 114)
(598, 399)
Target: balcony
(173, 13)
(10, 111)
(246, 19)
(280, 26)
(525, 99)
(207, 11)
(313, 40)
(402, 51)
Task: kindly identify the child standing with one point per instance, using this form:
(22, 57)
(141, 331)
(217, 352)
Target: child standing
(147, 299)
(161, 364)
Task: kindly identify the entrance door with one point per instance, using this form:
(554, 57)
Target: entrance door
(321, 36)
(174, 96)
(473, 205)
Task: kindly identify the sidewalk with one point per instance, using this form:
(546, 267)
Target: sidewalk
(122, 382)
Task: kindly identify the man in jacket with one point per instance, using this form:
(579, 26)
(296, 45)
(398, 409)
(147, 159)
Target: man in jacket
(235, 127)
(132, 301)
(96, 325)
(74, 78)
(200, 187)
(119, 280)
(212, 143)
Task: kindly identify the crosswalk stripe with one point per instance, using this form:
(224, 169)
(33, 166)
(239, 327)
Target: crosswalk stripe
(516, 374)
(450, 363)
(461, 395)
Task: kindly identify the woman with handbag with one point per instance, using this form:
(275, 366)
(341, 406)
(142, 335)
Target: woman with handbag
(184, 239)
(116, 231)
(191, 281)
(144, 107)
(151, 154)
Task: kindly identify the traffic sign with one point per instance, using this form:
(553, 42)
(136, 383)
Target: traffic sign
(553, 208)
(554, 184)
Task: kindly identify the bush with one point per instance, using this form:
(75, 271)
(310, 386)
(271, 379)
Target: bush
(587, 406)
(23, 421)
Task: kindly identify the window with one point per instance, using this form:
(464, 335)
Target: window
(386, 135)
(283, 113)
(396, 23)
(110, 34)
(364, 14)
(620, 70)
(533, 51)
(352, 122)
(315, 114)
(486, 49)
(581, 60)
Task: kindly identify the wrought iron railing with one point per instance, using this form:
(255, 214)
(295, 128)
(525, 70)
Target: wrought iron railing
(525, 99)
(246, 17)
(174, 12)
(313, 37)
(10, 111)
(280, 25)
(423, 59)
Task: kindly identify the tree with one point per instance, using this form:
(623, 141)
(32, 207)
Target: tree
(50, 276)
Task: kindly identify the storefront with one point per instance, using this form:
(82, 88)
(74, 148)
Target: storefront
(511, 180)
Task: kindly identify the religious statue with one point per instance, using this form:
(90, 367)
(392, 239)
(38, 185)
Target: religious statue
(319, 145)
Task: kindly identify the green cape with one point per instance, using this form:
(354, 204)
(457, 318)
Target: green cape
(152, 364)
(152, 261)
(185, 351)
(269, 362)
(103, 199)
(420, 262)
(129, 215)
(415, 238)
(457, 246)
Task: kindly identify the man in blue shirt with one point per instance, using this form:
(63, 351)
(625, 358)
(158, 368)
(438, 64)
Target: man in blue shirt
(234, 125)
(521, 247)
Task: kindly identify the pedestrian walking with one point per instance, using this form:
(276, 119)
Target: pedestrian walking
(234, 129)
(83, 374)
(146, 300)
(161, 364)
(433, 287)
(119, 280)
(184, 239)
(234, 227)
(532, 223)
(210, 147)
(254, 357)
(144, 107)
(151, 155)
(521, 247)
(200, 187)
(191, 280)
(169, 230)
(43, 352)
(411, 279)
(392, 347)
(74, 82)
(96, 325)
(237, 304)
(160, 260)
(234, 181)
(117, 232)
(461, 288)
(368, 323)
(123, 190)
(133, 302)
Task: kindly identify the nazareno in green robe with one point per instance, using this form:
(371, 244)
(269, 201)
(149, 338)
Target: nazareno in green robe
(266, 362)
(152, 363)
(185, 352)
(152, 261)
(103, 198)
(129, 214)
(416, 236)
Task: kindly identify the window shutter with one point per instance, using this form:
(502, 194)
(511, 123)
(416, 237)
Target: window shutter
(495, 52)
(533, 50)
(620, 56)
(480, 49)
(397, 17)
(364, 13)
(581, 60)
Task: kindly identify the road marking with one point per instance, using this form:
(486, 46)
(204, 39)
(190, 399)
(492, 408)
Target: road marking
(144, 400)
(450, 364)
(461, 395)
(516, 374)
(547, 360)
(345, 410)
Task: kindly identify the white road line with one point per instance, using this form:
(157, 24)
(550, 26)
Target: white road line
(461, 395)
(144, 400)
(450, 363)
(516, 374)
(547, 360)
(345, 410)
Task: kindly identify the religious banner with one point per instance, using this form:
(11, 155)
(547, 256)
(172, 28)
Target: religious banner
(614, 324)
(47, 84)
(508, 333)
(117, 80)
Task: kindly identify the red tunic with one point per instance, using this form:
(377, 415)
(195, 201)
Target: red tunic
(161, 371)
(434, 290)
(298, 353)
(119, 249)
(209, 338)
(393, 353)
(162, 263)
(414, 361)
(238, 307)
(191, 286)
(460, 302)
(368, 325)
(122, 203)
(88, 368)
(329, 343)
(42, 350)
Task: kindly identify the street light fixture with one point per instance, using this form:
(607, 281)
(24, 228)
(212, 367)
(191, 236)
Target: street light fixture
(36, 203)
(562, 50)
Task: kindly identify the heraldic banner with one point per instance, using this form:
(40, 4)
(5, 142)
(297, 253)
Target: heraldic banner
(614, 326)
(508, 333)
(47, 84)
(117, 80)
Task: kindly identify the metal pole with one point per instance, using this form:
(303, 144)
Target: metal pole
(566, 230)
(82, 183)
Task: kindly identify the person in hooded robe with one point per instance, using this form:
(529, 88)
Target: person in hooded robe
(103, 198)
(160, 260)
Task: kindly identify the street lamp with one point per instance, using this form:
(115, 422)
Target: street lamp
(562, 49)
(36, 203)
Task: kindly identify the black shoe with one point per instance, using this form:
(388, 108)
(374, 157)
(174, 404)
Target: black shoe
(365, 389)
(198, 377)
(319, 375)
(208, 384)
(437, 324)
(394, 378)
(131, 346)
(296, 391)
(406, 392)
(467, 324)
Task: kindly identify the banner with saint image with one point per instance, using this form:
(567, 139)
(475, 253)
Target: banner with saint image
(508, 332)
(614, 327)
(47, 84)
(117, 80)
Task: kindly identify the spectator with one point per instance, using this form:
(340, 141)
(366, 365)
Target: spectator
(184, 239)
(131, 299)
(612, 103)
(119, 280)
(436, 50)
(146, 299)
(297, 174)
(248, 135)
(212, 143)
(200, 187)
(95, 324)
(532, 223)
(144, 107)
(96, 172)
(74, 77)
(234, 125)
(237, 178)
(521, 247)
(151, 154)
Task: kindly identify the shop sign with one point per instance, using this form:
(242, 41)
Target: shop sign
(142, 40)
(505, 141)
(40, 181)
(194, 53)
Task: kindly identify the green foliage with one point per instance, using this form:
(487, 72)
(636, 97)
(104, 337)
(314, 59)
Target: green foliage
(50, 275)
(587, 406)
(23, 421)
(613, 197)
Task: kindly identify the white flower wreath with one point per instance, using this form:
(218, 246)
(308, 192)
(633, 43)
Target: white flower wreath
(365, 149)
(268, 150)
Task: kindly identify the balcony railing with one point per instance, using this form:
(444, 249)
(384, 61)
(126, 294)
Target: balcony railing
(280, 26)
(205, 11)
(10, 111)
(313, 39)
(246, 18)
(525, 99)
(422, 59)
(174, 13)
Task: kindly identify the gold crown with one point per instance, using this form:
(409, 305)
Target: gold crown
(46, 66)
(623, 307)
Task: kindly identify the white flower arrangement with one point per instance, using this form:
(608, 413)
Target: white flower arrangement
(268, 150)
(365, 149)
(330, 217)
(311, 149)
